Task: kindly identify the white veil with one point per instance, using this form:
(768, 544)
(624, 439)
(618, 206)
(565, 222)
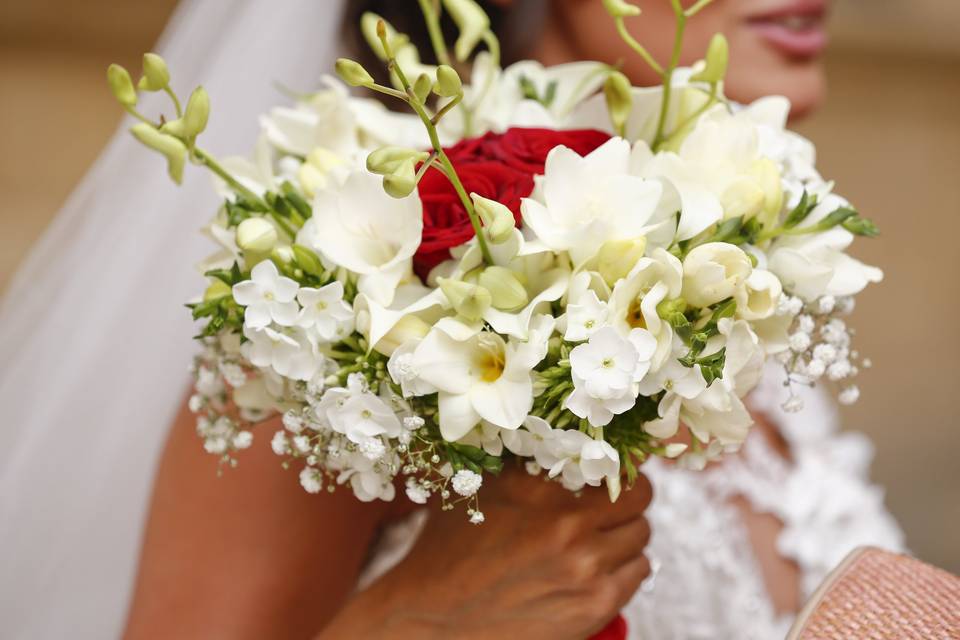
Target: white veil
(94, 340)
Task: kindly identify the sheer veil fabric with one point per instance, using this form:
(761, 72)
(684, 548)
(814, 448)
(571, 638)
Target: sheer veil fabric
(94, 340)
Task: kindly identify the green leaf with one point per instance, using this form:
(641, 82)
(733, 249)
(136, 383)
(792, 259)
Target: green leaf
(861, 227)
(839, 216)
(801, 211)
(727, 230)
(296, 200)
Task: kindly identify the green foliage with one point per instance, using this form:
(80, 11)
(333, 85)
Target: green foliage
(530, 91)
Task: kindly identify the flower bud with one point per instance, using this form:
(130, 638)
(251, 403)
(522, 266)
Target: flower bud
(620, 8)
(472, 23)
(498, 220)
(353, 73)
(767, 175)
(401, 182)
(617, 258)
(156, 76)
(759, 296)
(174, 150)
(470, 301)
(743, 198)
(617, 91)
(718, 55)
(389, 159)
(448, 82)
(256, 234)
(217, 289)
(370, 27)
(422, 87)
(408, 328)
(713, 272)
(121, 85)
(506, 291)
(197, 113)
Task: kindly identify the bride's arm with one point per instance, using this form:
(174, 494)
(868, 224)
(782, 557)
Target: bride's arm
(245, 555)
(250, 555)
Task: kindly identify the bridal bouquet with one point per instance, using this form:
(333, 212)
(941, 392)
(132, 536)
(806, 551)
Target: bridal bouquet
(545, 264)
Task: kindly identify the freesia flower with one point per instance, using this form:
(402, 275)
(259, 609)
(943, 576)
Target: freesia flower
(481, 377)
(713, 272)
(589, 200)
(361, 228)
(267, 296)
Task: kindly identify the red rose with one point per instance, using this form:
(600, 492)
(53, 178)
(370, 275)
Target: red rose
(496, 166)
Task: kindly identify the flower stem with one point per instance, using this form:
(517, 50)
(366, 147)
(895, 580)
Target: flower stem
(176, 101)
(431, 16)
(695, 9)
(210, 162)
(441, 155)
(638, 48)
(681, 18)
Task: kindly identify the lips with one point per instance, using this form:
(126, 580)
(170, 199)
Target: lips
(796, 29)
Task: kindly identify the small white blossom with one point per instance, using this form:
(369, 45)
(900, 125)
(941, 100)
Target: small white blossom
(267, 296)
(301, 444)
(413, 422)
(793, 404)
(466, 482)
(280, 444)
(825, 305)
(416, 492)
(585, 317)
(799, 342)
(532, 467)
(805, 323)
(826, 353)
(372, 448)
(242, 440)
(815, 369)
(476, 517)
(845, 305)
(233, 374)
(789, 306)
(292, 421)
(195, 403)
(839, 370)
(215, 445)
(311, 480)
(849, 395)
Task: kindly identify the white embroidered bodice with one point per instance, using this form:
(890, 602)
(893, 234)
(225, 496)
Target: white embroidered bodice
(706, 582)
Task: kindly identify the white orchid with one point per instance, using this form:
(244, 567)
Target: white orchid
(325, 311)
(267, 297)
(588, 200)
(606, 371)
(359, 227)
(481, 377)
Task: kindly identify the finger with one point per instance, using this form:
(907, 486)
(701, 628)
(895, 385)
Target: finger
(629, 577)
(621, 545)
(629, 506)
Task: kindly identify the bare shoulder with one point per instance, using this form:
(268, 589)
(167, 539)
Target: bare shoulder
(247, 554)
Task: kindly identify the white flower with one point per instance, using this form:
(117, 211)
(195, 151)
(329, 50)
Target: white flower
(372, 448)
(760, 295)
(585, 317)
(814, 265)
(579, 459)
(361, 228)
(311, 480)
(267, 296)
(357, 413)
(466, 482)
(680, 383)
(416, 492)
(605, 371)
(242, 440)
(403, 372)
(476, 517)
(849, 395)
(481, 376)
(839, 370)
(633, 303)
(713, 272)
(589, 200)
(280, 444)
(287, 351)
(366, 477)
(799, 341)
(325, 311)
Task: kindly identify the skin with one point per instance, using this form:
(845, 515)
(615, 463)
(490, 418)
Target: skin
(252, 556)
(582, 30)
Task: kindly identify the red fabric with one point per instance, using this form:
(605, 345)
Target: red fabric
(496, 166)
(616, 630)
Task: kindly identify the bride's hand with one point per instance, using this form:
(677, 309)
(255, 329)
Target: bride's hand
(545, 564)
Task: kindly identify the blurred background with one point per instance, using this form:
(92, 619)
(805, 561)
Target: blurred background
(889, 135)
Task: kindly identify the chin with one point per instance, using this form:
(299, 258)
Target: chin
(804, 85)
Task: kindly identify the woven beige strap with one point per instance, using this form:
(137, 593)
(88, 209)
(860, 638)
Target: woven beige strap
(878, 595)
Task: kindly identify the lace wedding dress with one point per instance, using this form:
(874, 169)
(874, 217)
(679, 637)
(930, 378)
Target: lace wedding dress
(706, 582)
